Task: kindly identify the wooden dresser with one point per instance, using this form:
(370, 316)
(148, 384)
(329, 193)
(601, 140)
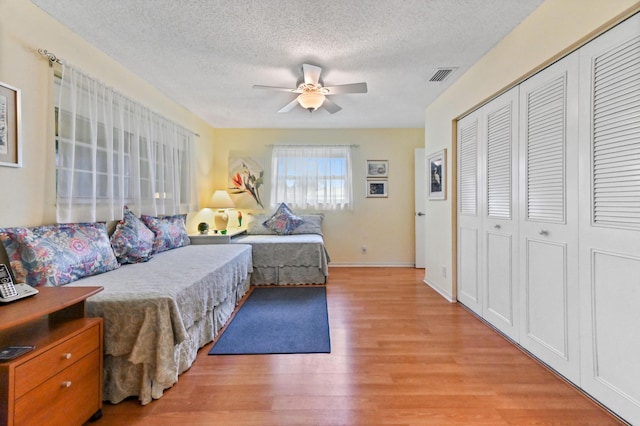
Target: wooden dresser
(60, 381)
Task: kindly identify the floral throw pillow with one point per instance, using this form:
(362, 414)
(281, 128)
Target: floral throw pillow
(169, 231)
(132, 241)
(55, 255)
(283, 221)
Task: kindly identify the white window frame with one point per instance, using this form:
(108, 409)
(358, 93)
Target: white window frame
(312, 177)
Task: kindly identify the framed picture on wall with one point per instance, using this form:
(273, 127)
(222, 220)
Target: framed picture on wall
(377, 168)
(437, 180)
(377, 188)
(10, 148)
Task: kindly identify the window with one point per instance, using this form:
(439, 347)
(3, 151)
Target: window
(312, 177)
(112, 151)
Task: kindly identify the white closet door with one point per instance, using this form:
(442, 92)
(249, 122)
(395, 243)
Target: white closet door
(500, 225)
(610, 218)
(549, 216)
(469, 219)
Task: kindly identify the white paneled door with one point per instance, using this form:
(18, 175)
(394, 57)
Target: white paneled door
(419, 201)
(500, 213)
(549, 216)
(610, 218)
(488, 212)
(469, 218)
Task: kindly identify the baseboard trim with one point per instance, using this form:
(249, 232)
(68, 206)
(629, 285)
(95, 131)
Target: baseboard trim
(448, 297)
(371, 265)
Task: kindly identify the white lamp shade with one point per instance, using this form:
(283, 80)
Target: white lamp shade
(311, 100)
(221, 200)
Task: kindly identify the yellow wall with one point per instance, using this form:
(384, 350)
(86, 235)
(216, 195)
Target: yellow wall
(28, 193)
(384, 225)
(555, 27)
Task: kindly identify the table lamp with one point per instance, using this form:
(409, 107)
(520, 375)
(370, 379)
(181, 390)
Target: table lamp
(221, 200)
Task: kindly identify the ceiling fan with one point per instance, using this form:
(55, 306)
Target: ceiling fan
(312, 94)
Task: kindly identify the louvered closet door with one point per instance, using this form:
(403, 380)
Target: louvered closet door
(469, 218)
(500, 230)
(610, 218)
(549, 217)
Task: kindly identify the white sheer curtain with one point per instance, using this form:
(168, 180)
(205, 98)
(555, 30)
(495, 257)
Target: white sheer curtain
(316, 177)
(112, 151)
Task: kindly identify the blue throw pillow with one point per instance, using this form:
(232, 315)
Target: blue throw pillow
(132, 241)
(283, 221)
(170, 231)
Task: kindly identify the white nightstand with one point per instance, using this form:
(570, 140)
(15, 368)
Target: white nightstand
(211, 238)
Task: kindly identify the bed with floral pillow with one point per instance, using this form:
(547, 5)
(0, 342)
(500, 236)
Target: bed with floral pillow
(287, 248)
(163, 298)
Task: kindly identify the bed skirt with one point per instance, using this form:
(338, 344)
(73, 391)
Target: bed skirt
(283, 275)
(124, 379)
(287, 259)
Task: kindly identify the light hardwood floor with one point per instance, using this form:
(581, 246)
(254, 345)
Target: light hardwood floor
(400, 355)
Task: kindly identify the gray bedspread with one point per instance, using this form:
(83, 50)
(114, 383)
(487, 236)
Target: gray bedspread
(156, 313)
(287, 259)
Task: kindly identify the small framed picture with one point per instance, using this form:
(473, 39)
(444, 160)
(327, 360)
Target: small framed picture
(437, 175)
(377, 168)
(10, 149)
(377, 188)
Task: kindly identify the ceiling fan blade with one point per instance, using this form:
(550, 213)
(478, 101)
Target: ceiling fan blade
(282, 89)
(330, 106)
(347, 88)
(311, 73)
(288, 107)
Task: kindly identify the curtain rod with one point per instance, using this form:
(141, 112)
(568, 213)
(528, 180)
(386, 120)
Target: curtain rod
(307, 145)
(51, 56)
(53, 59)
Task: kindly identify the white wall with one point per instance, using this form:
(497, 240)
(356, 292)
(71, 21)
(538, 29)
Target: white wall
(556, 26)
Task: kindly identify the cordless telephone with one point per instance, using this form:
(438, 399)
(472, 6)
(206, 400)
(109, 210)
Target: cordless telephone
(9, 291)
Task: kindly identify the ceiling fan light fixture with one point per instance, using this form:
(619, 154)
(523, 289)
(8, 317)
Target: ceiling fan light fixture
(311, 100)
(311, 94)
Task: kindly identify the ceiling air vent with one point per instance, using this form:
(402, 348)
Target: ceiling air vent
(441, 74)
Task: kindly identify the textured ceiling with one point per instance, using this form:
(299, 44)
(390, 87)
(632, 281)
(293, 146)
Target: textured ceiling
(207, 54)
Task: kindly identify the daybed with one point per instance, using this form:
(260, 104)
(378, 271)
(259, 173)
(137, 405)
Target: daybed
(158, 311)
(298, 257)
(158, 314)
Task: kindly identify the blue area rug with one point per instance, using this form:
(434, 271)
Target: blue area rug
(278, 320)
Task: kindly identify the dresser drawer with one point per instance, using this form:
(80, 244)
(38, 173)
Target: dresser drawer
(35, 371)
(69, 398)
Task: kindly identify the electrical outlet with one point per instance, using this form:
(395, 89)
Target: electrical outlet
(363, 250)
(444, 272)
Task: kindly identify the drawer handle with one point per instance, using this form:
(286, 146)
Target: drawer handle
(66, 384)
(66, 355)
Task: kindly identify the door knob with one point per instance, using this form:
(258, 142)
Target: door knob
(543, 232)
(497, 226)
(420, 214)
